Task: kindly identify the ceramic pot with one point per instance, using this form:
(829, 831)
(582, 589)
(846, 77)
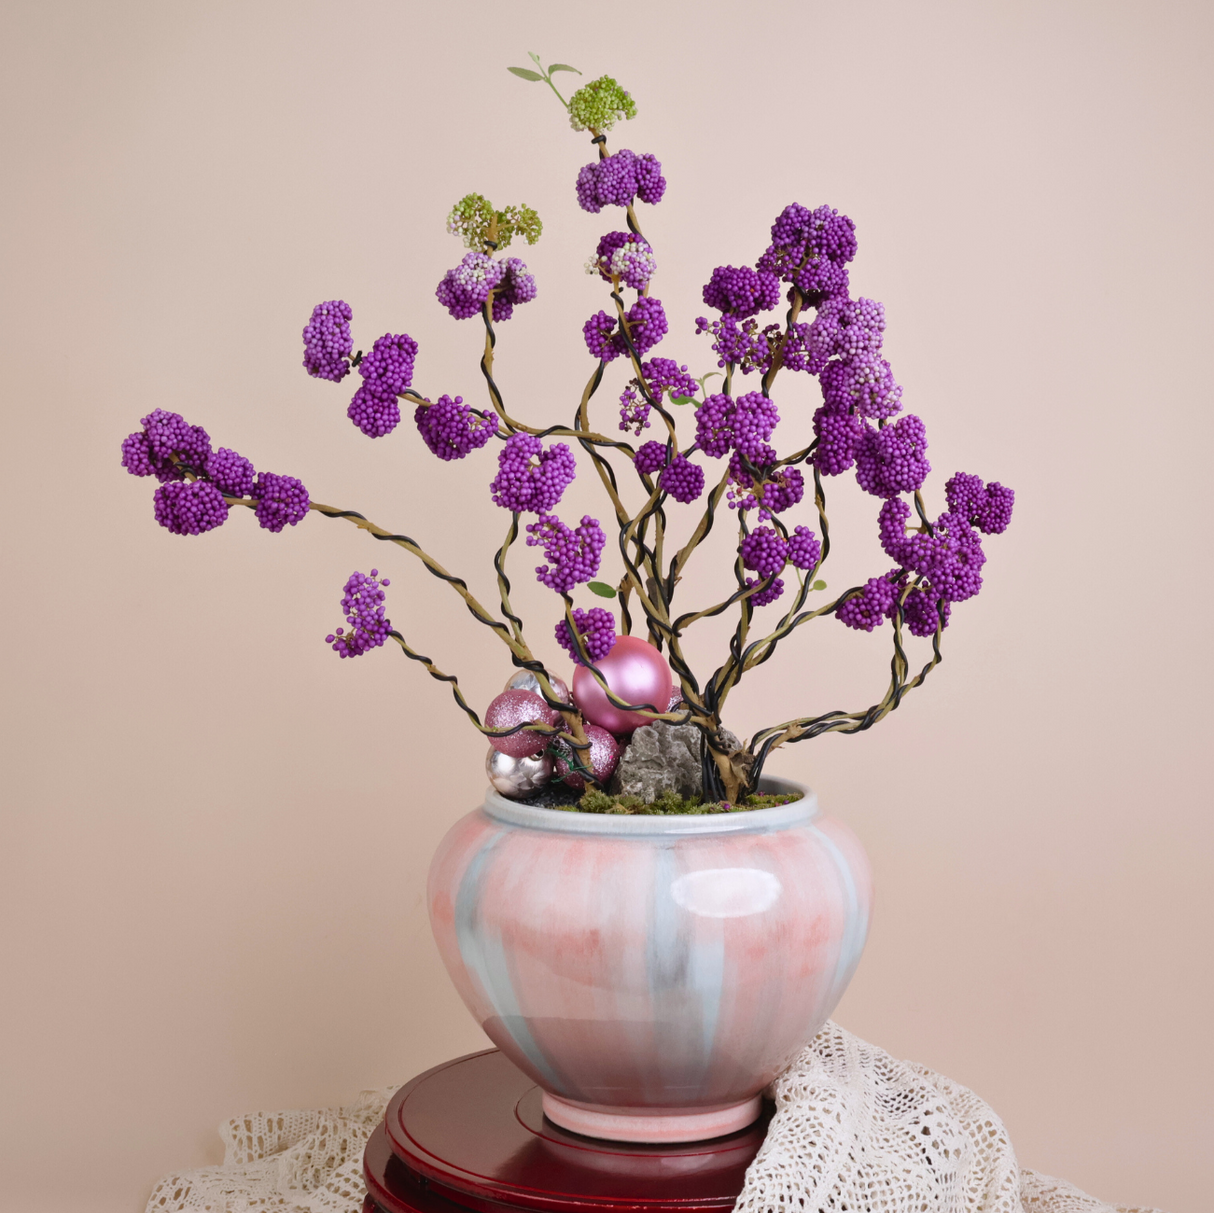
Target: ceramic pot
(651, 974)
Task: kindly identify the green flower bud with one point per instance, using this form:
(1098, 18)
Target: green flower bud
(473, 218)
(600, 105)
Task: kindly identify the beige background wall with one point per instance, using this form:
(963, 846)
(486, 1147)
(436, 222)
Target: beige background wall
(214, 834)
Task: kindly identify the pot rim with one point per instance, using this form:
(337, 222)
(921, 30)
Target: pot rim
(749, 821)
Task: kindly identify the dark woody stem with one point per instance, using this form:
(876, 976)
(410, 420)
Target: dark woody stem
(791, 731)
(437, 674)
(499, 406)
(503, 582)
(521, 654)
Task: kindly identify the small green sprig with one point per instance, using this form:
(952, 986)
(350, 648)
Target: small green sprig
(474, 219)
(526, 73)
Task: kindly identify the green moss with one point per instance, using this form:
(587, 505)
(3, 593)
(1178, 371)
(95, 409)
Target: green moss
(599, 105)
(670, 804)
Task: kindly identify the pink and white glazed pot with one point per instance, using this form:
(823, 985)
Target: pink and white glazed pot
(651, 974)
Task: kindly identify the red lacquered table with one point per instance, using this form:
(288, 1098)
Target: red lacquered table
(471, 1134)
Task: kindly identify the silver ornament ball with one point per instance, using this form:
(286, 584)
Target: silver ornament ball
(525, 680)
(517, 777)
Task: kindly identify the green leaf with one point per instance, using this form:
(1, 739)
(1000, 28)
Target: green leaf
(525, 72)
(561, 67)
(534, 57)
(819, 585)
(682, 400)
(602, 589)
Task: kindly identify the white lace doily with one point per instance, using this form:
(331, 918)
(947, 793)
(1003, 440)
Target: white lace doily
(854, 1129)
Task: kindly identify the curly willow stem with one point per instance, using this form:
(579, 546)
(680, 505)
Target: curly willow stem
(541, 729)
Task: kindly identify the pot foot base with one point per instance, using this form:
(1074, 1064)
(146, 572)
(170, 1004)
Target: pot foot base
(472, 1134)
(646, 1125)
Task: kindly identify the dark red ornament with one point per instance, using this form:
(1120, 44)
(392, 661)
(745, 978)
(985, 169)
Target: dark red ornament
(471, 1134)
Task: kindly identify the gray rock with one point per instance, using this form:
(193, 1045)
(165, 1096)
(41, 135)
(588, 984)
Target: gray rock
(660, 758)
(728, 739)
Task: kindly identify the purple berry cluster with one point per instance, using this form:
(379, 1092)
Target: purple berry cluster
(634, 410)
(666, 375)
(596, 627)
(616, 180)
(742, 343)
(363, 607)
(844, 328)
(682, 479)
(773, 489)
(166, 442)
(864, 383)
(530, 478)
(189, 509)
(231, 472)
(920, 612)
(843, 347)
(647, 326)
(764, 552)
(600, 336)
(195, 480)
(838, 435)
(741, 291)
(650, 458)
(451, 430)
(872, 605)
(949, 555)
(573, 554)
(327, 341)
(764, 597)
(810, 250)
(986, 506)
(890, 461)
(386, 372)
(464, 289)
(517, 286)
(804, 550)
(662, 376)
(626, 256)
(281, 500)
(725, 423)
(880, 597)
(374, 410)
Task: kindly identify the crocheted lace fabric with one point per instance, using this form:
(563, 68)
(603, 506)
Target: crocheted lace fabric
(854, 1129)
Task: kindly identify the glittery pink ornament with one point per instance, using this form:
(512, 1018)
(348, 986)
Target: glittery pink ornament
(518, 707)
(636, 673)
(601, 758)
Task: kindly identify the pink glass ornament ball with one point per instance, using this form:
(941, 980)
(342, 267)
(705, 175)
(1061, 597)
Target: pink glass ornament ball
(518, 707)
(601, 758)
(636, 673)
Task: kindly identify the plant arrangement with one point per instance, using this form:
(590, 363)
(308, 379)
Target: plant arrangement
(723, 470)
